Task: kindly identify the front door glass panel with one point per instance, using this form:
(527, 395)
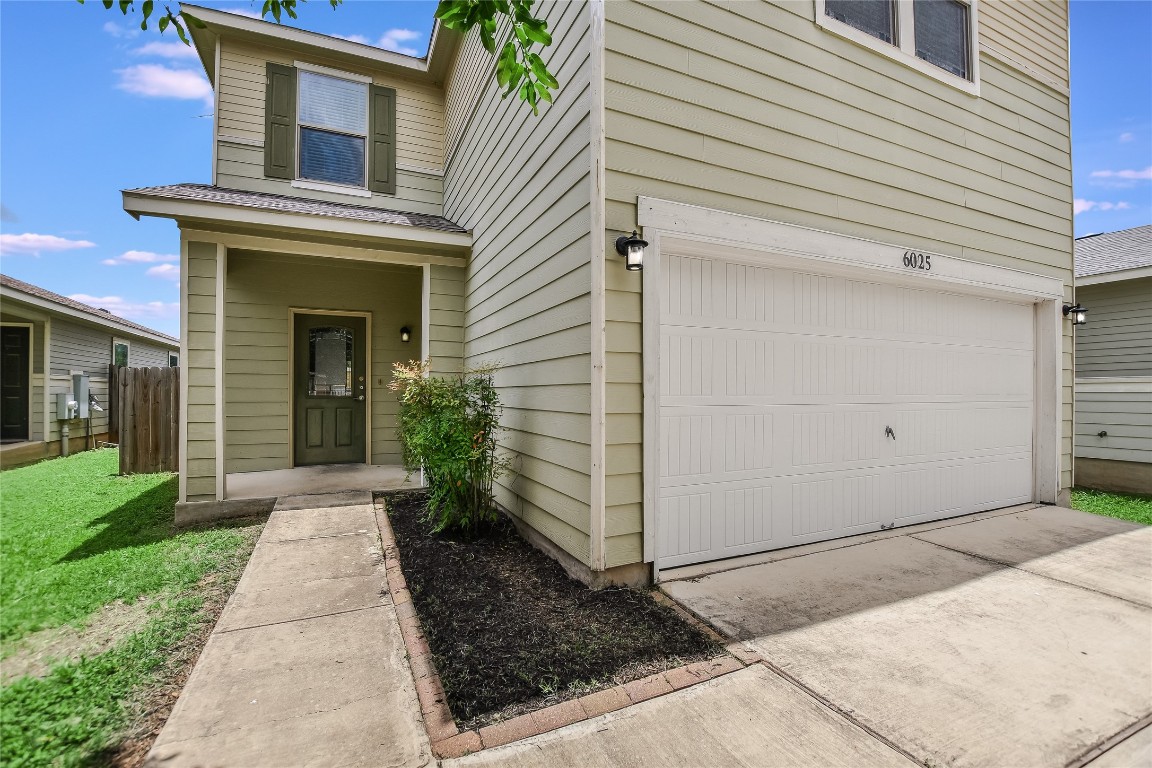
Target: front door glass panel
(331, 356)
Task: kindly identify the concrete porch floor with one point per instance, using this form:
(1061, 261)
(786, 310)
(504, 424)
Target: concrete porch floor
(326, 478)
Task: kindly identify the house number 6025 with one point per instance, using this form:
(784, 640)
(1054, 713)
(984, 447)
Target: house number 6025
(917, 260)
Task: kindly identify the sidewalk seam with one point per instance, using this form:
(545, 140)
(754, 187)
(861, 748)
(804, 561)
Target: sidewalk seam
(1016, 567)
(300, 618)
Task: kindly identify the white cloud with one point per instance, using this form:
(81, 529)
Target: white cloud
(1127, 137)
(116, 30)
(1080, 205)
(172, 50)
(30, 243)
(354, 39)
(164, 271)
(140, 312)
(141, 257)
(157, 81)
(1128, 174)
(394, 39)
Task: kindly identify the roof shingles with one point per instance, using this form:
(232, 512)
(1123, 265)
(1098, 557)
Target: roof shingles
(206, 193)
(1114, 251)
(98, 315)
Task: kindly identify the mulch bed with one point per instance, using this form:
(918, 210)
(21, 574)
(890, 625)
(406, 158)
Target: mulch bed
(510, 632)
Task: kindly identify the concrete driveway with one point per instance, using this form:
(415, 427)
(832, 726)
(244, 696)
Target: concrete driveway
(1011, 638)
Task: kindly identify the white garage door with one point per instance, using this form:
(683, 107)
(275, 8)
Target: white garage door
(798, 407)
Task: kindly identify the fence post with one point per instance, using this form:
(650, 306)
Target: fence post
(113, 405)
(127, 412)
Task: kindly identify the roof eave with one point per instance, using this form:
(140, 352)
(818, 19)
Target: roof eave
(218, 22)
(1115, 276)
(96, 318)
(204, 211)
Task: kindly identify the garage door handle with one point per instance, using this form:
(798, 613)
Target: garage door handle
(889, 433)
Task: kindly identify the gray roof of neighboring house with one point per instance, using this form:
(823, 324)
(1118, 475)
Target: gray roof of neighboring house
(206, 193)
(102, 316)
(1114, 251)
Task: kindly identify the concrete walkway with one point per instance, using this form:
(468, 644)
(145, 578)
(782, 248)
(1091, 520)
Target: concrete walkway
(306, 666)
(1017, 637)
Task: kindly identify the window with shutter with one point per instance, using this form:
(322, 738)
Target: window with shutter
(330, 130)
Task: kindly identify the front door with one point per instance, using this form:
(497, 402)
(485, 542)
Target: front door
(15, 354)
(330, 393)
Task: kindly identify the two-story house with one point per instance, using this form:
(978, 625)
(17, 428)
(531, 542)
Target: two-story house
(858, 219)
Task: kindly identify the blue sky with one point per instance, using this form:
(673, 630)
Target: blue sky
(89, 106)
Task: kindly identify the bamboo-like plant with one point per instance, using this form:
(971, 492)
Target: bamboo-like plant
(448, 426)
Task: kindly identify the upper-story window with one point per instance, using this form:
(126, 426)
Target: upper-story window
(329, 131)
(940, 33)
(333, 125)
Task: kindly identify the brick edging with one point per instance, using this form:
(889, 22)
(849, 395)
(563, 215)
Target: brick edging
(449, 741)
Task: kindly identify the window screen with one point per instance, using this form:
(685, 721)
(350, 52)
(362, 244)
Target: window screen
(876, 17)
(120, 354)
(333, 129)
(942, 34)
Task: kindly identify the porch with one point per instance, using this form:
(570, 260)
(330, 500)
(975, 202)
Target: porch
(324, 478)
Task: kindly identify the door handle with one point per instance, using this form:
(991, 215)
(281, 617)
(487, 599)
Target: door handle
(889, 433)
(361, 398)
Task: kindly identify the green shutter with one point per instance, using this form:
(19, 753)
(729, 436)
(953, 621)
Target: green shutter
(382, 140)
(280, 122)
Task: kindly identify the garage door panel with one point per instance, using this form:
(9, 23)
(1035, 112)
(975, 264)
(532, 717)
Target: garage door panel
(962, 430)
(946, 489)
(776, 389)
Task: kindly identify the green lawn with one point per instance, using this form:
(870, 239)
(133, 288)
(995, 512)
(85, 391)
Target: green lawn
(75, 538)
(1127, 506)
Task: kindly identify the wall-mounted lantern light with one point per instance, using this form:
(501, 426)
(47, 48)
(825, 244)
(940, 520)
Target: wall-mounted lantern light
(405, 334)
(1078, 314)
(632, 249)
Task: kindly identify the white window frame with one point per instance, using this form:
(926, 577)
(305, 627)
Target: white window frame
(904, 51)
(127, 351)
(328, 186)
(173, 356)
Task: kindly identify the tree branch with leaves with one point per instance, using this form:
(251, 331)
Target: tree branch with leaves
(519, 68)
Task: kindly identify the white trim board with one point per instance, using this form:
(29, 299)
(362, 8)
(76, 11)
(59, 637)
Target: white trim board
(706, 229)
(697, 231)
(323, 250)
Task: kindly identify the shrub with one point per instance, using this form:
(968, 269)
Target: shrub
(448, 427)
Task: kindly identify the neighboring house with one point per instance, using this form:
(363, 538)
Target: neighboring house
(849, 316)
(1114, 361)
(46, 339)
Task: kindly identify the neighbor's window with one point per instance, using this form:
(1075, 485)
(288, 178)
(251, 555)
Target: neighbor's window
(120, 354)
(938, 32)
(173, 360)
(333, 122)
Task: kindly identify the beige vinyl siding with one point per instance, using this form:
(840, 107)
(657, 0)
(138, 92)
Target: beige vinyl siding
(1122, 407)
(785, 121)
(522, 184)
(262, 289)
(446, 319)
(240, 165)
(199, 372)
(1034, 34)
(1117, 340)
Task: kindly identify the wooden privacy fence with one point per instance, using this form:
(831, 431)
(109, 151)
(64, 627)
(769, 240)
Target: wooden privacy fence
(144, 406)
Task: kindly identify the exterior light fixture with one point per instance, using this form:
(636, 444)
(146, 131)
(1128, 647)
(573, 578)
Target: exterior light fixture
(632, 249)
(405, 334)
(1078, 314)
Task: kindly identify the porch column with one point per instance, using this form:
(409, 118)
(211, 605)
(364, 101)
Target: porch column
(203, 267)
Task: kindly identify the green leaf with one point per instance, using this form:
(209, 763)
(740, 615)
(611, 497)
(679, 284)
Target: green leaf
(536, 31)
(193, 21)
(146, 10)
(543, 91)
(107, 4)
(124, 6)
(180, 32)
(164, 22)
